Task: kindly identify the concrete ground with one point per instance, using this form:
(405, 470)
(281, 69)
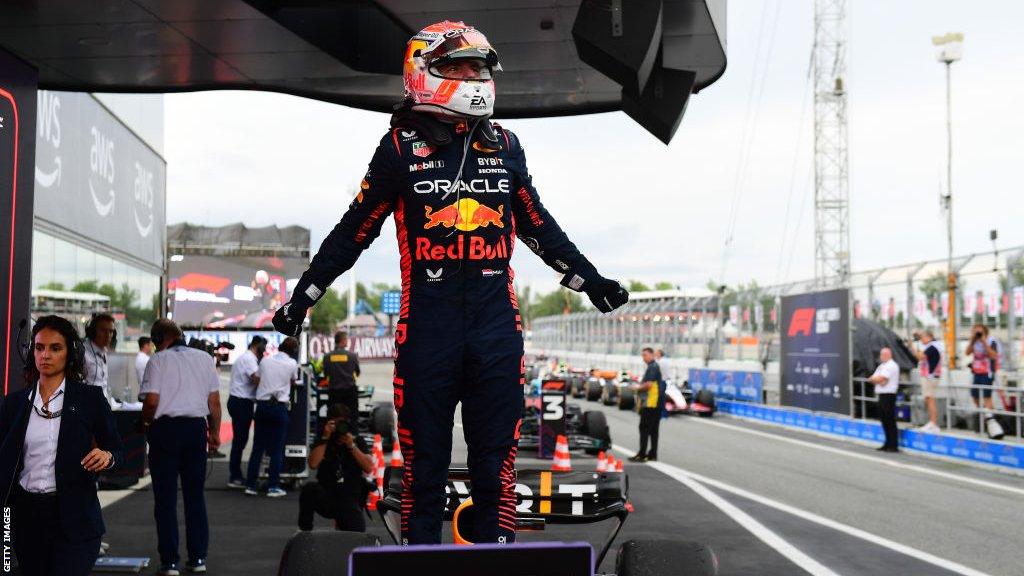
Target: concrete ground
(769, 501)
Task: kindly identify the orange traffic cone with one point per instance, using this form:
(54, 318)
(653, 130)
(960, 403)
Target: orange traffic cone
(618, 465)
(561, 462)
(396, 456)
(602, 462)
(379, 468)
(378, 472)
(373, 496)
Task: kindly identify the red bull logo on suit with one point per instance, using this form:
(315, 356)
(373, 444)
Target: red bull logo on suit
(467, 215)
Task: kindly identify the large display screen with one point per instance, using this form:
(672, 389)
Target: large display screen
(229, 292)
(814, 367)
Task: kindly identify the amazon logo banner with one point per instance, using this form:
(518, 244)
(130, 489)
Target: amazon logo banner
(814, 363)
(114, 183)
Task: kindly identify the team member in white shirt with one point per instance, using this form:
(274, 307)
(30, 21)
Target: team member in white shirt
(242, 404)
(100, 335)
(146, 349)
(277, 374)
(182, 413)
(887, 381)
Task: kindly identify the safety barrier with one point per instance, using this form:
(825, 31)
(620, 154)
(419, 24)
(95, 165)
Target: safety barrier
(1009, 397)
(1001, 454)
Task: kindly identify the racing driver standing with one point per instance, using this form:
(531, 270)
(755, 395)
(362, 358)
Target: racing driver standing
(460, 193)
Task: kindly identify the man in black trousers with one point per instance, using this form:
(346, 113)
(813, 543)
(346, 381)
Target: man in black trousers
(181, 413)
(887, 381)
(651, 397)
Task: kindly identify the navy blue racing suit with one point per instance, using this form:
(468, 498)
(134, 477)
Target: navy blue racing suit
(459, 333)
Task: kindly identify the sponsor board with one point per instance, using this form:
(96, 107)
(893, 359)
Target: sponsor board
(815, 351)
(728, 384)
(976, 450)
(368, 348)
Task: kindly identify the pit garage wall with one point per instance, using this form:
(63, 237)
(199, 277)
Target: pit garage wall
(18, 82)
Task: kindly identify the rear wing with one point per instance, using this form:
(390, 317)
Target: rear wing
(542, 497)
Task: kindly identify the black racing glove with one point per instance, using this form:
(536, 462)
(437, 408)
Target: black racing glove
(606, 295)
(288, 318)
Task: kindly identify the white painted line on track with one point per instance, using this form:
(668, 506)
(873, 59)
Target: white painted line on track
(866, 457)
(773, 540)
(676, 473)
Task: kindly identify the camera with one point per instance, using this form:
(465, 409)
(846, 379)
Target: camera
(217, 351)
(340, 429)
(917, 336)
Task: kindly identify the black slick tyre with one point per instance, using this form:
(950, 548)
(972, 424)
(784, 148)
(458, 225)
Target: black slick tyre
(321, 552)
(665, 558)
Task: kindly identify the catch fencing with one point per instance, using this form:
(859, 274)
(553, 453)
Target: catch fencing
(742, 324)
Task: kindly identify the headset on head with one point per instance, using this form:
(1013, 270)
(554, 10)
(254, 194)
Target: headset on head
(90, 328)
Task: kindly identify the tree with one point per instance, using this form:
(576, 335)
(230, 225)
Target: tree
(330, 311)
(934, 285)
(554, 303)
(637, 286)
(59, 286)
(664, 286)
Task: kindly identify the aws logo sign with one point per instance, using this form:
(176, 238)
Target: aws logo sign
(48, 132)
(811, 321)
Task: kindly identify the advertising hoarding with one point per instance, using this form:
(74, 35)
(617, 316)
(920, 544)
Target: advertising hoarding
(230, 292)
(814, 367)
(95, 178)
(18, 83)
(728, 384)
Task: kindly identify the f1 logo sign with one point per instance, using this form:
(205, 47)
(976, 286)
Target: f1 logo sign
(801, 322)
(809, 321)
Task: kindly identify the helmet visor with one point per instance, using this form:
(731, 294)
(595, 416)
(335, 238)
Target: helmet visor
(461, 68)
(469, 44)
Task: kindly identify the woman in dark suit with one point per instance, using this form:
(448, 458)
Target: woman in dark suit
(57, 433)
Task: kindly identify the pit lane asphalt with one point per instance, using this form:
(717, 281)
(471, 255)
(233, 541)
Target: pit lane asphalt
(972, 525)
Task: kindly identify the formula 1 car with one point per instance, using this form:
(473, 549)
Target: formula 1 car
(619, 391)
(684, 401)
(543, 498)
(587, 431)
(577, 379)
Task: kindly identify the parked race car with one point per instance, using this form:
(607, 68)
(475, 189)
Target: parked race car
(619, 391)
(587, 431)
(543, 498)
(684, 401)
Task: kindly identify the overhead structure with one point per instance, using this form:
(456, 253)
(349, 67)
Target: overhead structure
(831, 179)
(559, 58)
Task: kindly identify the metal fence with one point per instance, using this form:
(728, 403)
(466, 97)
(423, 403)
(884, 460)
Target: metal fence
(742, 324)
(954, 405)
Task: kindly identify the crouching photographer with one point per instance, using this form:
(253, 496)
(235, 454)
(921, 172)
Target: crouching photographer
(339, 458)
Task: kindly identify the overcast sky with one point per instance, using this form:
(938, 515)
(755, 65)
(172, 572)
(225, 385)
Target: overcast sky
(643, 210)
